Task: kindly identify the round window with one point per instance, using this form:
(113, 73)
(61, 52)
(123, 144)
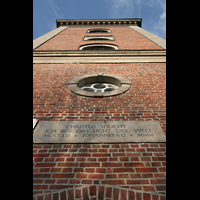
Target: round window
(102, 87)
(99, 85)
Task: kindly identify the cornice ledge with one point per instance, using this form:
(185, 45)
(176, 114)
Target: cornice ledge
(124, 53)
(101, 22)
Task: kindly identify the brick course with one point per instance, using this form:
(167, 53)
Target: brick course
(124, 37)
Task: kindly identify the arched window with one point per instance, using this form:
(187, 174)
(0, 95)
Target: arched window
(98, 30)
(98, 38)
(105, 47)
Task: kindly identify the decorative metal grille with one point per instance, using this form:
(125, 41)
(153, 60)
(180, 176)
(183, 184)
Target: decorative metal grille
(102, 87)
(98, 38)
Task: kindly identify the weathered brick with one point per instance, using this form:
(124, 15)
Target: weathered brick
(45, 165)
(71, 194)
(159, 158)
(85, 193)
(123, 194)
(40, 155)
(131, 195)
(87, 181)
(155, 149)
(100, 170)
(89, 164)
(161, 188)
(72, 164)
(101, 154)
(158, 181)
(81, 155)
(133, 164)
(122, 170)
(147, 169)
(96, 176)
(62, 175)
(108, 192)
(113, 182)
(77, 193)
(101, 192)
(81, 175)
(41, 175)
(92, 190)
(137, 182)
(66, 170)
(138, 196)
(146, 196)
(60, 155)
(40, 187)
(110, 164)
(116, 193)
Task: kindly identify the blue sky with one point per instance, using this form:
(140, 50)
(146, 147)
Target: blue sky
(152, 12)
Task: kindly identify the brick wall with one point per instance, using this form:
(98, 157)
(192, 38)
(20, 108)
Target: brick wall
(94, 171)
(144, 101)
(95, 192)
(109, 170)
(124, 37)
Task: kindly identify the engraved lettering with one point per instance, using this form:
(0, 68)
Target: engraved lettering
(145, 135)
(99, 135)
(101, 130)
(137, 130)
(82, 131)
(56, 135)
(112, 126)
(50, 130)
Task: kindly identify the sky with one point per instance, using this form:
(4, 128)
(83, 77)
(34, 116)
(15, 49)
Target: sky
(152, 12)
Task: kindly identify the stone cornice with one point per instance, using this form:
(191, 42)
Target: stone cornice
(118, 56)
(99, 22)
(77, 53)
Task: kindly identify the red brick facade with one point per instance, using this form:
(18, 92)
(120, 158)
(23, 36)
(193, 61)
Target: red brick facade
(124, 37)
(99, 171)
(144, 101)
(135, 169)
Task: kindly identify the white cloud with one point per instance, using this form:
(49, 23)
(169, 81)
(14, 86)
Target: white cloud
(157, 21)
(153, 13)
(55, 14)
(52, 25)
(160, 25)
(120, 8)
(55, 9)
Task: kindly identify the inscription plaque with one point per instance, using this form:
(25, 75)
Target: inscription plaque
(98, 132)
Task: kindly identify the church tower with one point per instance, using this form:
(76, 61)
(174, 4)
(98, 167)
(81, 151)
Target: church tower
(99, 110)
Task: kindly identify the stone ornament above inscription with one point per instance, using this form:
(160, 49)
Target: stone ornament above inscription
(98, 132)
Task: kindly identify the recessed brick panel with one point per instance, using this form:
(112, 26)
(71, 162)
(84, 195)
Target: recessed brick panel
(124, 37)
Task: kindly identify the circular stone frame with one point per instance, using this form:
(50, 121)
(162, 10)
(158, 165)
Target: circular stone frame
(75, 84)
